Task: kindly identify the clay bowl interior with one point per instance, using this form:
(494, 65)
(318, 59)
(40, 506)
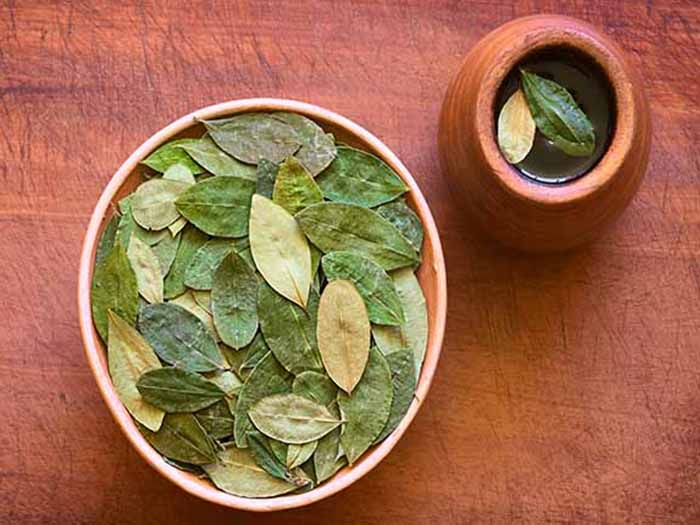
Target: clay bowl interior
(519, 212)
(431, 276)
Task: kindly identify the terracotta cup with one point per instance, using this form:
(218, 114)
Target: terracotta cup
(502, 203)
(431, 276)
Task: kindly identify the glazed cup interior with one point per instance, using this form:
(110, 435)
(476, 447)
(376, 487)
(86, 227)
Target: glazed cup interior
(431, 276)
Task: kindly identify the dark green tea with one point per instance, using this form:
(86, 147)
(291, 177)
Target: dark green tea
(591, 90)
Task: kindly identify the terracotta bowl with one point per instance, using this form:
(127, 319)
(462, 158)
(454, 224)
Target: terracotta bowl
(500, 201)
(431, 276)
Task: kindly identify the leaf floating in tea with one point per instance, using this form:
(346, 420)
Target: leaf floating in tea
(298, 454)
(182, 438)
(333, 226)
(234, 300)
(218, 205)
(356, 177)
(292, 419)
(266, 175)
(114, 288)
(516, 128)
(557, 115)
(289, 330)
(318, 148)
(412, 334)
(267, 378)
(280, 250)
(176, 390)
(315, 386)
(192, 239)
(294, 188)
(366, 411)
(254, 136)
(180, 173)
(129, 356)
(207, 154)
(169, 154)
(374, 284)
(343, 333)
(237, 473)
(153, 204)
(405, 219)
(180, 338)
(403, 380)
(146, 267)
(216, 420)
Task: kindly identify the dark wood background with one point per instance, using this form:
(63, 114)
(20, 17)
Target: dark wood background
(568, 386)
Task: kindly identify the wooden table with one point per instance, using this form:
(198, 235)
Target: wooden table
(568, 387)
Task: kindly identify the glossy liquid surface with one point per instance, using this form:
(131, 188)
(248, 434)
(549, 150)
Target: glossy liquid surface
(592, 92)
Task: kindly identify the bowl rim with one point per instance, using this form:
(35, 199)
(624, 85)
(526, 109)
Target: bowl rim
(540, 32)
(347, 475)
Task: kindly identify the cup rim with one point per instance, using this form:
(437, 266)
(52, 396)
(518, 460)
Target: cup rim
(542, 33)
(348, 475)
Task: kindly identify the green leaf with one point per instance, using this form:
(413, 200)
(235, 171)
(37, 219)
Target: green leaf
(107, 239)
(289, 331)
(557, 115)
(367, 410)
(237, 473)
(326, 457)
(146, 266)
(114, 288)
(403, 381)
(318, 148)
(343, 333)
(153, 203)
(405, 219)
(266, 458)
(180, 338)
(192, 239)
(254, 136)
(129, 356)
(182, 438)
(169, 154)
(179, 173)
(266, 175)
(298, 454)
(216, 161)
(188, 302)
(200, 272)
(357, 177)
(234, 299)
(292, 419)
(177, 390)
(315, 386)
(294, 188)
(280, 250)
(374, 284)
(218, 205)
(333, 226)
(243, 361)
(216, 420)
(166, 250)
(266, 379)
(412, 334)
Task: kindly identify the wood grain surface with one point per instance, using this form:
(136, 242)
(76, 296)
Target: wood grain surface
(568, 386)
